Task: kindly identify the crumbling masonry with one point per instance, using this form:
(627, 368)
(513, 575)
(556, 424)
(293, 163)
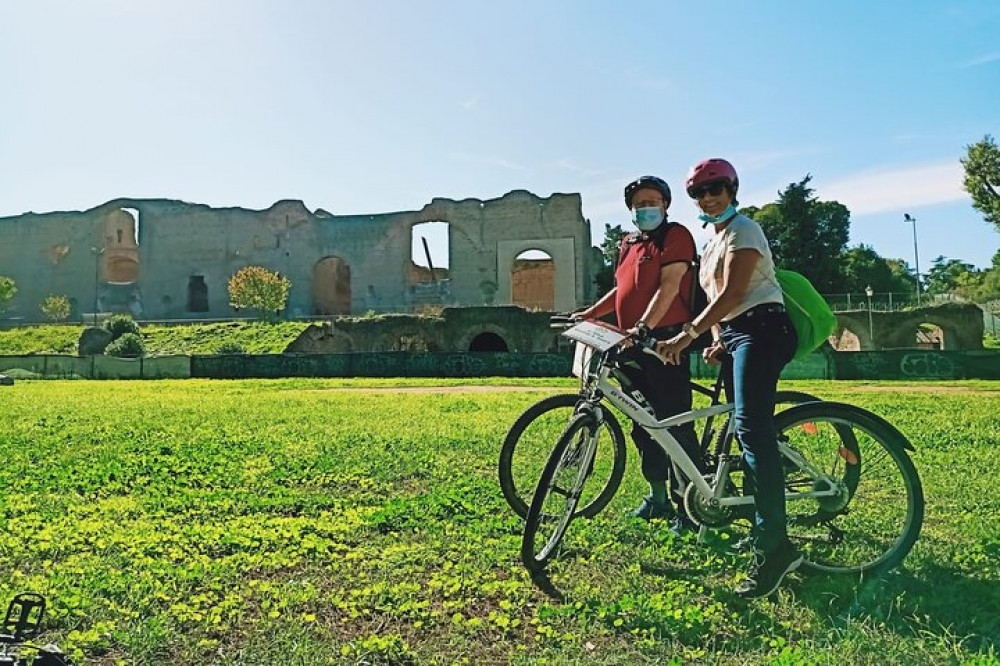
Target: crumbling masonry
(162, 259)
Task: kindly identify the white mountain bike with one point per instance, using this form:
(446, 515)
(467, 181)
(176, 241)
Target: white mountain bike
(854, 499)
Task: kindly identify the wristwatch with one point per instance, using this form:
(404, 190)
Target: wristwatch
(642, 329)
(688, 328)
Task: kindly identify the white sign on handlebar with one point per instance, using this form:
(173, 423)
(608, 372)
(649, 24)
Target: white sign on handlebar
(598, 335)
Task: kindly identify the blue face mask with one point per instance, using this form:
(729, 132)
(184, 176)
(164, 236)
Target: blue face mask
(724, 215)
(647, 219)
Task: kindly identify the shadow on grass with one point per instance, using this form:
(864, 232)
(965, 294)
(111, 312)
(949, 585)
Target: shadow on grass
(542, 581)
(935, 600)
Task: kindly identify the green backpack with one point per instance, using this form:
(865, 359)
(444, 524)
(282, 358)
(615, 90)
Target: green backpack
(812, 318)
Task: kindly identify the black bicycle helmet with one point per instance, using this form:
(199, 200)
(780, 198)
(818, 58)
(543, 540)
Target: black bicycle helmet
(647, 181)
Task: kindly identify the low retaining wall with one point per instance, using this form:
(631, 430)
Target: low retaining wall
(897, 364)
(384, 364)
(95, 367)
(916, 364)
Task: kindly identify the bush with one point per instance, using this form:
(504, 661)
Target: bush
(256, 288)
(129, 345)
(56, 308)
(119, 325)
(230, 349)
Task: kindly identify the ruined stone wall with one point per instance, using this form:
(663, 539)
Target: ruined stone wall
(189, 251)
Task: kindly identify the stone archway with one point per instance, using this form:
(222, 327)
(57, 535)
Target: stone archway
(488, 341)
(960, 325)
(563, 254)
(331, 287)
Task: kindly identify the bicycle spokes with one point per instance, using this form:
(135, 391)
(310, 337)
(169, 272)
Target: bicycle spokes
(851, 497)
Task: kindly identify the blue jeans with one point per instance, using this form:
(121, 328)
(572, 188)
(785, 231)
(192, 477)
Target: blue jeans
(759, 343)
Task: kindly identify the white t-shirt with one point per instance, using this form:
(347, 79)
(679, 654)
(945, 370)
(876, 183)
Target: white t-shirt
(741, 233)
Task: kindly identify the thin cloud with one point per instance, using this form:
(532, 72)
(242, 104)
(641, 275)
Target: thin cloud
(489, 160)
(470, 104)
(981, 60)
(886, 190)
(569, 164)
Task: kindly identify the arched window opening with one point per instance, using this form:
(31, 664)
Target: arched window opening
(533, 281)
(331, 287)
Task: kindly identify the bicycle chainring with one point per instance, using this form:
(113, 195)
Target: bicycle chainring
(703, 510)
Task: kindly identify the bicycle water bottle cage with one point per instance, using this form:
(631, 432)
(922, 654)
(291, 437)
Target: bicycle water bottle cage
(24, 618)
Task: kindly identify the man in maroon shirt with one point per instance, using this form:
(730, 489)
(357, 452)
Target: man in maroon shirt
(652, 284)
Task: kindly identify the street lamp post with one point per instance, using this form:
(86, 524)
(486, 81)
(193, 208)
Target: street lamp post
(97, 276)
(916, 257)
(871, 329)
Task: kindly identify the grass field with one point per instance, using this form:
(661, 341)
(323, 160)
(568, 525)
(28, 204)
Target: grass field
(322, 522)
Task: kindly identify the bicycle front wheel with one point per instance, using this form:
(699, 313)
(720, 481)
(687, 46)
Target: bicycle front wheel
(873, 518)
(553, 505)
(527, 446)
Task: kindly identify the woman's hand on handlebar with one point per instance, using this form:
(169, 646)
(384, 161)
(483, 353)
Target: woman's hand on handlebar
(713, 353)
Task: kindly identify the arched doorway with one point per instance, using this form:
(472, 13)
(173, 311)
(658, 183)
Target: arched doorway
(930, 336)
(197, 294)
(488, 341)
(533, 281)
(331, 287)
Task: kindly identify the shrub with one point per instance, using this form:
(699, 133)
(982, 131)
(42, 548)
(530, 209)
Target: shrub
(8, 289)
(129, 345)
(230, 348)
(256, 288)
(56, 308)
(119, 325)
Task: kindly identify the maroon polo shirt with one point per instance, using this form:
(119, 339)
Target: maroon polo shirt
(638, 277)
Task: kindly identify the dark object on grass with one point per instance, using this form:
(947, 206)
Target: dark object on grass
(6, 381)
(22, 622)
(93, 341)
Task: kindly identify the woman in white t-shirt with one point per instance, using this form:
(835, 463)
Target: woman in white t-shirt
(754, 339)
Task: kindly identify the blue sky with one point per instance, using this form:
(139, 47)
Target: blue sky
(378, 106)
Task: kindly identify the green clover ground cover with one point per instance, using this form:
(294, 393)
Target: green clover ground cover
(316, 522)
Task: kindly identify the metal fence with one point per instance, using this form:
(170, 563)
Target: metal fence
(887, 301)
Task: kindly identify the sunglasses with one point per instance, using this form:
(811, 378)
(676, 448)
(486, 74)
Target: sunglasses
(715, 189)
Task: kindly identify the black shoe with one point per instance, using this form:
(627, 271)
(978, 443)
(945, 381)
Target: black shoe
(743, 545)
(767, 570)
(650, 509)
(681, 524)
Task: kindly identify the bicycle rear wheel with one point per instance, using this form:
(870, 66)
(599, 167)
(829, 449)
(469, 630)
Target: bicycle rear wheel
(874, 518)
(553, 505)
(527, 446)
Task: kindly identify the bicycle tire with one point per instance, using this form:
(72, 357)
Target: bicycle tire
(794, 398)
(531, 455)
(874, 520)
(548, 486)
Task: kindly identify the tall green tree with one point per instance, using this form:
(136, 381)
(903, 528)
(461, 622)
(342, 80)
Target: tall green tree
(807, 235)
(946, 275)
(605, 276)
(904, 278)
(8, 289)
(863, 268)
(982, 178)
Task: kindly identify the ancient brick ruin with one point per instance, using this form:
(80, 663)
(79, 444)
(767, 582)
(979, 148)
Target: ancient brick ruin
(161, 259)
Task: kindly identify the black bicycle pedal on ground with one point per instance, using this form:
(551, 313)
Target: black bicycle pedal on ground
(24, 618)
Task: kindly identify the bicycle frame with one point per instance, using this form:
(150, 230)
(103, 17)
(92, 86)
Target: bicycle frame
(596, 386)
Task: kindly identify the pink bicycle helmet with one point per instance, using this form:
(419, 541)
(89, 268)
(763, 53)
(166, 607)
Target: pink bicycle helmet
(710, 171)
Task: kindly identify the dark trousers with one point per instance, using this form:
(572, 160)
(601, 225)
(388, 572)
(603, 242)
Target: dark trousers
(758, 345)
(667, 389)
